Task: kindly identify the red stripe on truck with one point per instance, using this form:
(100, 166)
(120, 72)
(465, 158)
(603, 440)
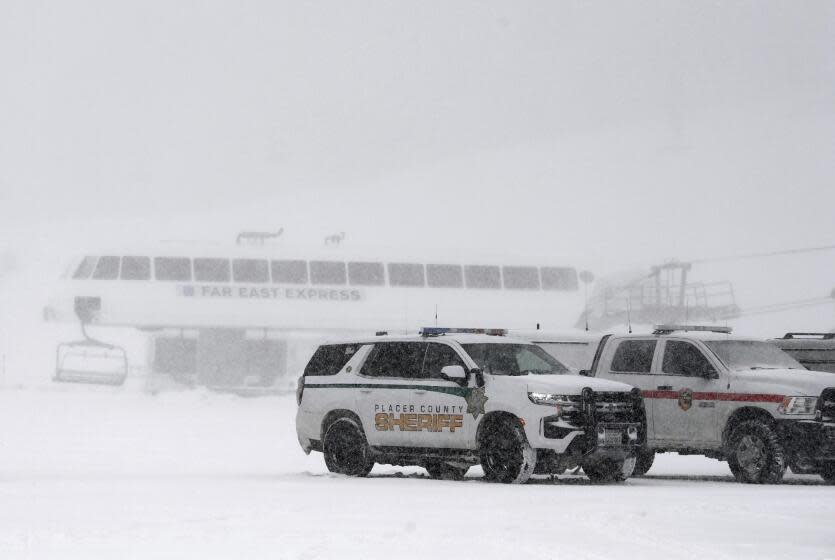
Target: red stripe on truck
(736, 397)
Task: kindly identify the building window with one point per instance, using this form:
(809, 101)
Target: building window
(172, 269)
(289, 272)
(366, 274)
(85, 268)
(482, 277)
(136, 268)
(107, 268)
(520, 277)
(444, 276)
(406, 274)
(211, 270)
(554, 278)
(327, 272)
(251, 270)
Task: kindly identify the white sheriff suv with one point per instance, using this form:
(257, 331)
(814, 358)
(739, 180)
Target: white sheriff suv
(447, 399)
(737, 399)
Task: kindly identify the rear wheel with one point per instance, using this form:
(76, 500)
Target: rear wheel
(345, 448)
(610, 470)
(756, 454)
(643, 462)
(506, 455)
(445, 471)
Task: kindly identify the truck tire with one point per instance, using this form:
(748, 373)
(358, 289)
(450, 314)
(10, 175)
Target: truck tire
(445, 471)
(643, 462)
(828, 472)
(506, 456)
(610, 470)
(345, 448)
(756, 455)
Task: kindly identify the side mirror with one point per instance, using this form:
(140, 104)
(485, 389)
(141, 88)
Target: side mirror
(454, 373)
(584, 373)
(710, 374)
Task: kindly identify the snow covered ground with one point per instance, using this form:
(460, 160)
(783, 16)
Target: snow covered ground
(97, 472)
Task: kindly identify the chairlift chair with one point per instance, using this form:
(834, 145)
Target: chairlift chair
(90, 360)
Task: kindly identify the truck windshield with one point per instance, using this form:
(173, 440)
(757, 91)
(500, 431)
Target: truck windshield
(752, 354)
(514, 359)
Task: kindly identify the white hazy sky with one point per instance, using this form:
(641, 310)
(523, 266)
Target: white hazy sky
(629, 131)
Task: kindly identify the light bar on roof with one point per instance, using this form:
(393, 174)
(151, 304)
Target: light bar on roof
(667, 329)
(437, 331)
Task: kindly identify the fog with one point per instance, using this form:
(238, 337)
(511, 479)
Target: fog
(637, 132)
(607, 136)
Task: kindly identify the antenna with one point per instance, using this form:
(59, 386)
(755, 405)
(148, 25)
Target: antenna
(586, 307)
(436, 314)
(585, 277)
(628, 313)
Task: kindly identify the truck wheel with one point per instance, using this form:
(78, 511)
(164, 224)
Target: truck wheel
(643, 462)
(828, 472)
(756, 455)
(445, 471)
(610, 470)
(345, 449)
(506, 455)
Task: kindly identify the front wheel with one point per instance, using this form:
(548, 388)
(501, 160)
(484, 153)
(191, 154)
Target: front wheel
(610, 470)
(756, 454)
(345, 449)
(506, 455)
(643, 462)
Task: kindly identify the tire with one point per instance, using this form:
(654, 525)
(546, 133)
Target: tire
(345, 448)
(756, 455)
(828, 473)
(506, 456)
(440, 470)
(643, 462)
(610, 470)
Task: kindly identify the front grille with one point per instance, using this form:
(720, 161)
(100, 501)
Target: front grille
(616, 407)
(606, 407)
(826, 405)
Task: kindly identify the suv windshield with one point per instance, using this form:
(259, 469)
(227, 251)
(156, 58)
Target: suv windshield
(752, 354)
(514, 359)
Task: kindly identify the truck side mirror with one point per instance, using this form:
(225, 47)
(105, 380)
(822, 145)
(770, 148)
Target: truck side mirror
(454, 373)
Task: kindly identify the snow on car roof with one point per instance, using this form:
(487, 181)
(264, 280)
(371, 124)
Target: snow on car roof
(461, 338)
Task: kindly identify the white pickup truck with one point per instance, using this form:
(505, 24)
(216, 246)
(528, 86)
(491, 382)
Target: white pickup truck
(737, 399)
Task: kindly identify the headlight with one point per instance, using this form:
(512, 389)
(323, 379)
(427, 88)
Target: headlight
(798, 405)
(566, 403)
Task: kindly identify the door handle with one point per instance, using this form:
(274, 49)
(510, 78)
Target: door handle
(420, 392)
(365, 391)
(665, 387)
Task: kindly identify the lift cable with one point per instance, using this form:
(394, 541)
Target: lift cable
(768, 254)
(786, 306)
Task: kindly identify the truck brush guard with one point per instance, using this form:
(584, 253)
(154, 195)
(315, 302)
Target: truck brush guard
(613, 419)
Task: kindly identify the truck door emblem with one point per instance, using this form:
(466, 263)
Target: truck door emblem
(685, 399)
(475, 402)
